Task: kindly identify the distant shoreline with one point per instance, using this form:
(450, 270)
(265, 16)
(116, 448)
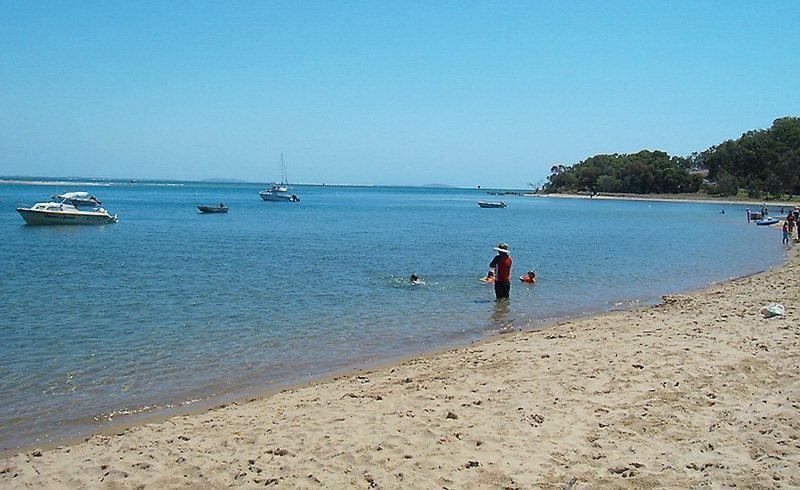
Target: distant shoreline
(109, 182)
(697, 198)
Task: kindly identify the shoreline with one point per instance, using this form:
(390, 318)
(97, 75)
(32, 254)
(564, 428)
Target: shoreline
(358, 402)
(354, 367)
(693, 198)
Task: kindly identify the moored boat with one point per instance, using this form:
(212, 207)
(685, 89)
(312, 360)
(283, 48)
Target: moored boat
(498, 204)
(279, 192)
(767, 221)
(62, 213)
(222, 208)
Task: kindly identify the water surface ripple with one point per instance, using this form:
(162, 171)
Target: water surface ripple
(170, 306)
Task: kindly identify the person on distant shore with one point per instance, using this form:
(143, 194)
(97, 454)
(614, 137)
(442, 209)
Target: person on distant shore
(796, 214)
(502, 265)
(529, 278)
(489, 279)
(785, 233)
(797, 221)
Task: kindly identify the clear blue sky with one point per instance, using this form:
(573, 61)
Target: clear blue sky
(462, 93)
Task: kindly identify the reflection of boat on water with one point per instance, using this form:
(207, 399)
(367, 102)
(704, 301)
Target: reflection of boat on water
(77, 198)
(62, 213)
(279, 192)
(499, 204)
(213, 209)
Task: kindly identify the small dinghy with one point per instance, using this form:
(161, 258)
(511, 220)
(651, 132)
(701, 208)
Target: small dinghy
(222, 208)
(499, 204)
(767, 221)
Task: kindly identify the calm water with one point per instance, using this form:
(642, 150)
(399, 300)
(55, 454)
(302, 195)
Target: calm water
(169, 306)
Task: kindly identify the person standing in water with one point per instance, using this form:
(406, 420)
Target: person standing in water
(502, 265)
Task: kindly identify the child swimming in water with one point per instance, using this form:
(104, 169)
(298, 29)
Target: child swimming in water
(529, 278)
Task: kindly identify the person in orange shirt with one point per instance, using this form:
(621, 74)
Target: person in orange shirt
(791, 221)
(529, 278)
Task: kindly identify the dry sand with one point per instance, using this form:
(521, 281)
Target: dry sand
(700, 390)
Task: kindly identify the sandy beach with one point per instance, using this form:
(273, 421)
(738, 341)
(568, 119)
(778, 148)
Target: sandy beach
(699, 390)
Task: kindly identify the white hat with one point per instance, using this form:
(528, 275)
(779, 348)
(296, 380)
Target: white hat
(502, 247)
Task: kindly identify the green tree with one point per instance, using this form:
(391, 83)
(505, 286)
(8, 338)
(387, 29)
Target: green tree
(727, 184)
(608, 183)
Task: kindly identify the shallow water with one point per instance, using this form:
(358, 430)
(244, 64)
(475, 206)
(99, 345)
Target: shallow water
(170, 306)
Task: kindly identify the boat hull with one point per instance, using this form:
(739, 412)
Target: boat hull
(274, 197)
(211, 209)
(492, 204)
(32, 217)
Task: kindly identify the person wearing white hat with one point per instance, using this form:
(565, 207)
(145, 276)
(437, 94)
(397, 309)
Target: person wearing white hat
(502, 266)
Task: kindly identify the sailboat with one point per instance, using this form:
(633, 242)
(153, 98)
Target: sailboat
(279, 192)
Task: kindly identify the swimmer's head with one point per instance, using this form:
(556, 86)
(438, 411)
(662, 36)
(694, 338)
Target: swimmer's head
(414, 278)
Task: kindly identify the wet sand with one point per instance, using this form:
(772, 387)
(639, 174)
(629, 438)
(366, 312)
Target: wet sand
(699, 390)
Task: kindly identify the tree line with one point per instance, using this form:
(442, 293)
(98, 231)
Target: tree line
(763, 162)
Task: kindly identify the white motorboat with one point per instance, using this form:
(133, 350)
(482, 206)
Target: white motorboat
(279, 192)
(62, 213)
(77, 198)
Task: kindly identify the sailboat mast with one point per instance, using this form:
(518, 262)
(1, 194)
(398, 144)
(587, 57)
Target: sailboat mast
(283, 171)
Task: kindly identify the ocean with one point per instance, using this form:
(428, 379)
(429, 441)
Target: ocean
(170, 309)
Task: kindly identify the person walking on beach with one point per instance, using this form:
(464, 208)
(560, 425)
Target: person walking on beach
(785, 233)
(502, 266)
(791, 220)
(797, 220)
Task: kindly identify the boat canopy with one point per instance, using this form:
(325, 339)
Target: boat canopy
(76, 195)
